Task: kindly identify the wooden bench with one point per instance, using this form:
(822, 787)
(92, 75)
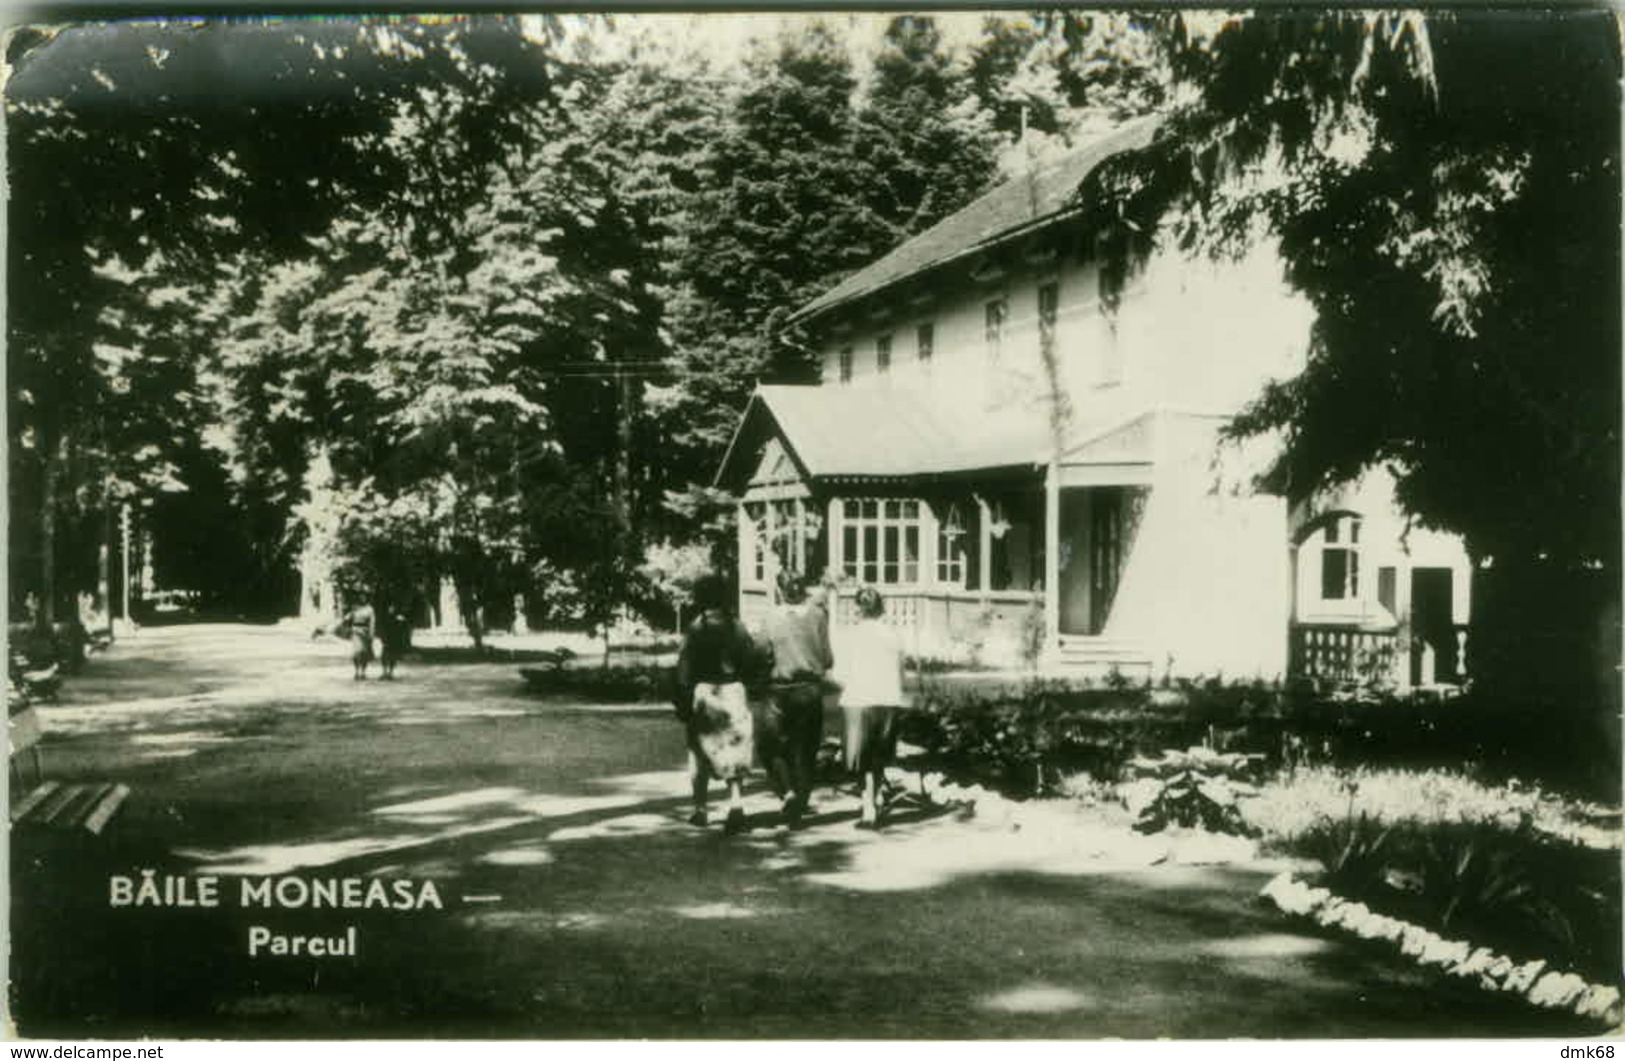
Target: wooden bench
(55, 805)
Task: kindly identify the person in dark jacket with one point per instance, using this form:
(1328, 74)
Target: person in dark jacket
(717, 662)
(394, 638)
(791, 726)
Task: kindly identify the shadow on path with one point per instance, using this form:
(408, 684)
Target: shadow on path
(573, 901)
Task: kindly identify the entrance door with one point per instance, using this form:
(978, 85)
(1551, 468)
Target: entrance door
(1105, 553)
(1433, 628)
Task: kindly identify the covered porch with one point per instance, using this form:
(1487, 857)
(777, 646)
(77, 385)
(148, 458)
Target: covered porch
(1110, 555)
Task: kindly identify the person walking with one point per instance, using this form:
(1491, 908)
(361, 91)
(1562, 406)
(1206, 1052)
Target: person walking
(394, 638)
(717, 660)
(791, 726)
(359, 625)
(870, 674)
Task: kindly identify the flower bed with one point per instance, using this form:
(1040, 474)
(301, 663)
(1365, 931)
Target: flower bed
(1296, 802)
(1516, 868)
(1532, 980)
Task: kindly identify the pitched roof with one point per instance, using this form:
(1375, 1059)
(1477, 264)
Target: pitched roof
(1015, 206)
(859, 432)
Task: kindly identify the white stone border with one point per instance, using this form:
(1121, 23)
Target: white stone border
(1495, 972)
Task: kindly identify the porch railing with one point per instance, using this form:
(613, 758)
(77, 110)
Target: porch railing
(1353, 654)
(902, 610)
(1344, 653)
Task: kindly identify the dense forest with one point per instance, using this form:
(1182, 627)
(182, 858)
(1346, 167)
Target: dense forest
(479, 299)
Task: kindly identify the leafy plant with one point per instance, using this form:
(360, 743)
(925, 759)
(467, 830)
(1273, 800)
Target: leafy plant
(1201, 789)
(1353, 853)
(1482, 877)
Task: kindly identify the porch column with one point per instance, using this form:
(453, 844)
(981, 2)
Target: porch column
(770, 555)
(1052, 559)
(984, 545)
(836, 559)
(799, 536)
(745, 562)
(837, 540)
(1292, 635)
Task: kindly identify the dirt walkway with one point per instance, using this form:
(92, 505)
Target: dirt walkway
(571, 900)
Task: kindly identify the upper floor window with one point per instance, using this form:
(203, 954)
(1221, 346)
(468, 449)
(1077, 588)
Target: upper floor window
(1340, 560)
(883, 354)
(925, 339)
(846, 364)
(994, 318)
(1049, 304)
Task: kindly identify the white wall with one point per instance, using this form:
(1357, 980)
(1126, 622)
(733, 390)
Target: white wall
(1189, 334)
(1385, 541)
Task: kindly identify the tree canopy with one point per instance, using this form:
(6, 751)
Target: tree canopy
(480, 298)
(1445, 191)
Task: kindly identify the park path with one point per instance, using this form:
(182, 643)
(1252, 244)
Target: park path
(573, 901)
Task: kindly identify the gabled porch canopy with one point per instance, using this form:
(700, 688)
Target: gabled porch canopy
(856, 434)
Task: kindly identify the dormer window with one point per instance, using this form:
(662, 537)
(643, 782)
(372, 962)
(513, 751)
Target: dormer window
(883, 354)
(846, 364)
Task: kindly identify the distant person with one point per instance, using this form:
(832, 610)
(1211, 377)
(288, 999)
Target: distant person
(359, 625)
(791, 726)
(717, 660)
(394, 638)
(870, 674)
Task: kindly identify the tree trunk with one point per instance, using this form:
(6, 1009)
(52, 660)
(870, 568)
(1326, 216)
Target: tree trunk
(55, 455)
(468, 606)
(623, 454)
(104, 565)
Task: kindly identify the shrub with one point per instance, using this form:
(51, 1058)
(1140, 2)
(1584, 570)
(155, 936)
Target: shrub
(1197, 788)
(612, 685)
(1021, 737)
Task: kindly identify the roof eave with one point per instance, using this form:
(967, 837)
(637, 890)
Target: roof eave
(812, 311)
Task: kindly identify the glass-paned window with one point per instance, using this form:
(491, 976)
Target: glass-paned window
(925, 340)
(781, 537)
(883, 354)
(993, 318)
(846, 364)
(756, 541)
(951, 548)
(1049, 302)
(1340, 560)
(881, 541)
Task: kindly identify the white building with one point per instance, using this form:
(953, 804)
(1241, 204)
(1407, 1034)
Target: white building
(984, 421)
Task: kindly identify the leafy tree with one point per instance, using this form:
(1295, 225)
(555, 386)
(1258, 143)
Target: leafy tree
(673, 570)
(806, 180)
(448, 351)
(926, 144)
(1445, 191)
(129, 183)
(1056, 76)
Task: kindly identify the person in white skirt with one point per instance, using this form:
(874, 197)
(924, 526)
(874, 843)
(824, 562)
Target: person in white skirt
(869, 670)
(717, 660)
